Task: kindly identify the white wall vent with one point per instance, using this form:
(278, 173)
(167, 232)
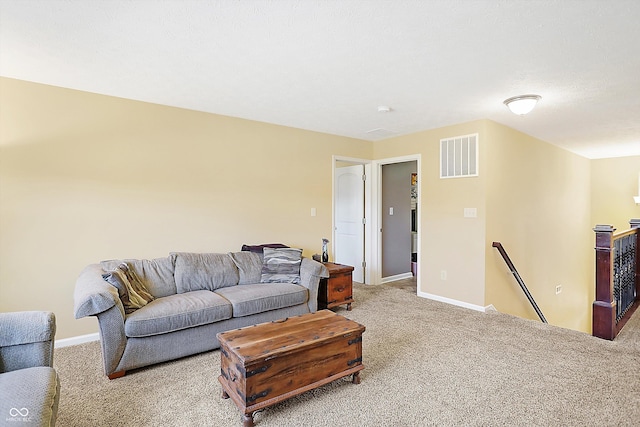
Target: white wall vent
(459, 156)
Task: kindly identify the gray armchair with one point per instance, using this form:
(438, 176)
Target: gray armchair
(29, 386)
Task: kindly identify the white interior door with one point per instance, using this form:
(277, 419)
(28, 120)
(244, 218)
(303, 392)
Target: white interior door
(349, 219)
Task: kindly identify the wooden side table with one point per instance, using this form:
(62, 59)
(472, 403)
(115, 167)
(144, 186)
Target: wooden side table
(338, 288)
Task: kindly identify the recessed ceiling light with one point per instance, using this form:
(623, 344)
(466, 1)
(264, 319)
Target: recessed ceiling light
(383, 109)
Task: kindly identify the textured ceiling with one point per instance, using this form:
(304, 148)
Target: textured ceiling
(327, 65)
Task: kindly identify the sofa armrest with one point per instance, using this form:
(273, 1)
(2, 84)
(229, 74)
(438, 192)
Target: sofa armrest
(310, 274)
(113, 339)
(92, 294)
(26, 339)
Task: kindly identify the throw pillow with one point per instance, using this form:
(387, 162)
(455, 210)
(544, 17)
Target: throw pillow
(281, 265)
(137, 285)
(132, 296)
(259, 248)
(117, 279)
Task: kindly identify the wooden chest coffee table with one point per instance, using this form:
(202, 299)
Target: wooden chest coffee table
(265, 364)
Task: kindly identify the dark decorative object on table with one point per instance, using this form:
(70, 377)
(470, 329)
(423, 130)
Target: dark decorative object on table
(325, 253)
(316, 257)
(258, 248)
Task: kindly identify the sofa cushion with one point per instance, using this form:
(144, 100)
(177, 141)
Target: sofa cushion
(281, 265)
(155, 274)
(176, 312)
(29, 396)
(196, 271)
(257, 298)
(249, 266)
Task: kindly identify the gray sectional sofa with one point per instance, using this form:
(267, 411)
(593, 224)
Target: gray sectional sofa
(194, 296)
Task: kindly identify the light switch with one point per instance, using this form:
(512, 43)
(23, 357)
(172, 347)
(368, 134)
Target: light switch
(313, 211)
(390, 211)
(470, 212)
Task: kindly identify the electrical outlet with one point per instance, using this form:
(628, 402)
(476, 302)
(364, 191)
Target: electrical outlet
(558, 289)
(443, 274)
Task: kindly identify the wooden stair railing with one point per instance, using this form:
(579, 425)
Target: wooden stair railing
(617, 278)
(515, 273)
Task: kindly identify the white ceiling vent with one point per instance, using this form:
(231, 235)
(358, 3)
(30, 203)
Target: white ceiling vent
(459, 156)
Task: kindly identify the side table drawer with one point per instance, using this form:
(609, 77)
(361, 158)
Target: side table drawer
(339, 288)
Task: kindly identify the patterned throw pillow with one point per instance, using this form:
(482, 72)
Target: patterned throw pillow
(131, 290)
(118, 279)
(137, 285)
(281, 265)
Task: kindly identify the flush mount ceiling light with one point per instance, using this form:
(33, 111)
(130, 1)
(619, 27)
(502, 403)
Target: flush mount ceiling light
(384, 109)
(522, 104)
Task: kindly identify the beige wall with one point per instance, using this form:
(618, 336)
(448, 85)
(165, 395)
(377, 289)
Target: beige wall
(86, 177)
(614, 182)
(449, 242)
(538, 207)
(531, 196)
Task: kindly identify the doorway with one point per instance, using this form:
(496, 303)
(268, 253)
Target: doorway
(371, 255)
(408, 271)
(398, 234)
(351, 213)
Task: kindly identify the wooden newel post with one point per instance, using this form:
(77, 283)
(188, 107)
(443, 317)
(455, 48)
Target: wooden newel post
(635, 225)
(604, 307)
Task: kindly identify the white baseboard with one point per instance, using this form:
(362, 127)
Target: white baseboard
(66, 342)
(455, 302)
(402, 276)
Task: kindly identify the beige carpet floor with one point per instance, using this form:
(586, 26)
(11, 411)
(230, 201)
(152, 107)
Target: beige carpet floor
(426, 364)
